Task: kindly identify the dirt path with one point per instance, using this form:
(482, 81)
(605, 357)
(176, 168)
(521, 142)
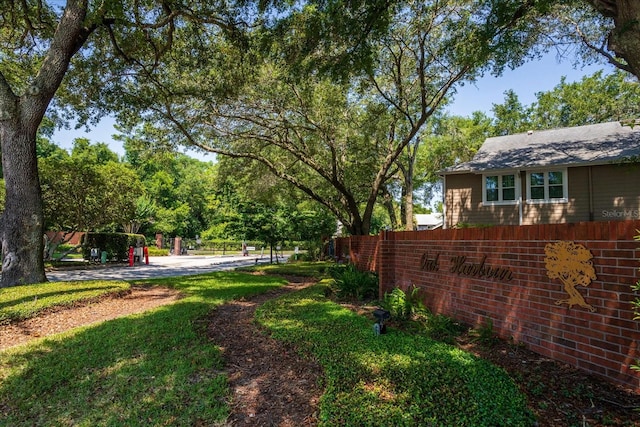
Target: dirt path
(271, 384)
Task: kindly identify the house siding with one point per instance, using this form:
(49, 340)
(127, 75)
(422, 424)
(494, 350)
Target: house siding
(463, 201)
(575, 210)
(616, 191)
(615, 196)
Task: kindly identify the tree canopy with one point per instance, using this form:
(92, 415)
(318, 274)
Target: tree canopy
(327, 96)
(336, 141)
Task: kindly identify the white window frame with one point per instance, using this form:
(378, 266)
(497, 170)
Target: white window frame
(565, 186)
(516, 179)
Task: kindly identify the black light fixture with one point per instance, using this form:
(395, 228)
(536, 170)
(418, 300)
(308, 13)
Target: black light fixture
(380, 315)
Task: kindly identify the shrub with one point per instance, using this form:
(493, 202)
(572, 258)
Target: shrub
(154, 251)
(442, 328)
(484, 334)
(403, 305)
(349, 282)
(115, 244)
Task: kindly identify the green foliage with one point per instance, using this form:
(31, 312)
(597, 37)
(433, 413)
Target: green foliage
(510, 117)
(25, 301)
(115, 244)
(396, 379)
(145, 212)
(156, 367)
(443, 328)
(349, 282)
(333, 140)
(179, 189)
(225, 246)
(404, 305)
(451, 139)
(485, 334)
(594, 99)
(154, 251)
(303, 269)
(89, 190)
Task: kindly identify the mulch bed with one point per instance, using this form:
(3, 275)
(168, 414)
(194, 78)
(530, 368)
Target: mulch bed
(271, 384)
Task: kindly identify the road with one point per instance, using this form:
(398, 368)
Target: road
(167, 266)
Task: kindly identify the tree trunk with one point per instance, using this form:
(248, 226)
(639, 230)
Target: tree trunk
(624, 40)
(22, 236)
(408, 206)
(408, 193)
(22, 220)
(387, 200)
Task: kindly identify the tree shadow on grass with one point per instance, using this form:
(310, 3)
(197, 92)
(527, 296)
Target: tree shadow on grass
(152, 368)
(392, 379)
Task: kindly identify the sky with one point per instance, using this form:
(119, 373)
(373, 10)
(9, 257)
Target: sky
(538, 76)
(533, 77)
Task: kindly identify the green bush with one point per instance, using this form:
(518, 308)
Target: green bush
(349, 282)
(154, 251)
(442, 328)
(115, 244)
(403, 305)
(485, 334)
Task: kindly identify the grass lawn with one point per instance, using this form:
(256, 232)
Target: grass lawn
(155, 368)
(158, 368)
(395, 379)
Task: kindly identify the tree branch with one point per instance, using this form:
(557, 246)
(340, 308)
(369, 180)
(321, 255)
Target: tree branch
(602, 51)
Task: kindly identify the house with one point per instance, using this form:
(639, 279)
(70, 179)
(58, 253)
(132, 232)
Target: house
(584, 173)
(428, 221)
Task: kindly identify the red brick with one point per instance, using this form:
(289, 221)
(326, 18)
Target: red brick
(524, 306)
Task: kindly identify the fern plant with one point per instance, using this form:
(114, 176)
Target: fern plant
(442, 328)
(485, 334)
(349, 282)
(404, 305)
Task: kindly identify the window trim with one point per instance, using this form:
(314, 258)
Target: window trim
(547, 200)
(517, 189)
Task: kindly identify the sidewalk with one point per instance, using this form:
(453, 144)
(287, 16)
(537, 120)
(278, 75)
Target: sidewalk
(161, 266)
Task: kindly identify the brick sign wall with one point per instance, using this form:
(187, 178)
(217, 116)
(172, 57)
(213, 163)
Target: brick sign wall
(563, 290)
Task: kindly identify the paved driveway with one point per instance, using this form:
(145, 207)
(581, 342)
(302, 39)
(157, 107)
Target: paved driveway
(158, 267)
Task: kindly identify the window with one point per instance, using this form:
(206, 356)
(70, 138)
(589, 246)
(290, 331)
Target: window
(499, 189)
(547, 186)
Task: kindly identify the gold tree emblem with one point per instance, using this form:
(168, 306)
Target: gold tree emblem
(571, 263)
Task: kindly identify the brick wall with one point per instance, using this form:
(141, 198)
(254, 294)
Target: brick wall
(74, 238)
(500, 273)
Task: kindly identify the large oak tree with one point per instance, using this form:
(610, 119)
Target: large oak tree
(624, 38)
(81, 54)
(337, 142)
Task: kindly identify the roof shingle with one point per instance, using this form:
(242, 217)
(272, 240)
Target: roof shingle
(582, 145)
